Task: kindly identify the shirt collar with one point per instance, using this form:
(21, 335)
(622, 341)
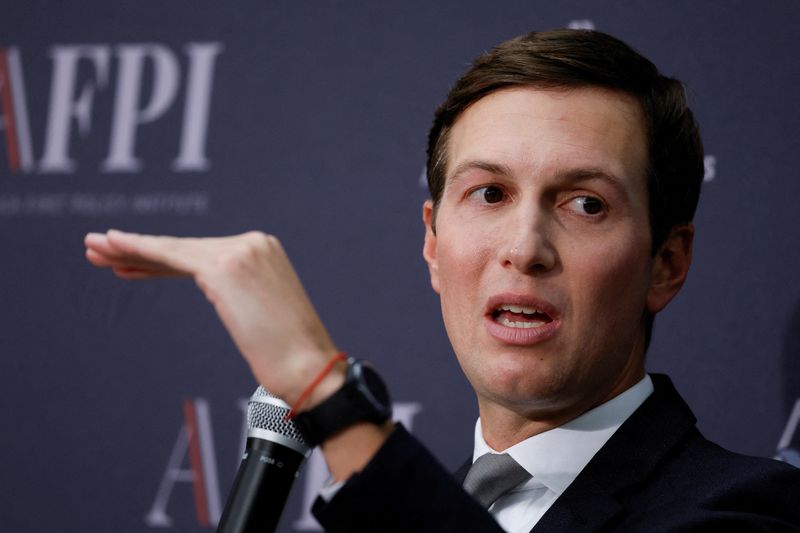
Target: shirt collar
(556, 457)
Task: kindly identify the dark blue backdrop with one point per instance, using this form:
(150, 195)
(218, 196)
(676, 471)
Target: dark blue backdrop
(317, 117)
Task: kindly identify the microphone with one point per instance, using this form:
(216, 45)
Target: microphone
(272, 458)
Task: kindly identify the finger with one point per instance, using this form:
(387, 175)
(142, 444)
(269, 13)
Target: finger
(127, 268)
(101, 245)
(102, 260)
(167, 254)
(98, 259)
(98, 242)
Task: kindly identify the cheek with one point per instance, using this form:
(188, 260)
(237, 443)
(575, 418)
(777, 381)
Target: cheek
(613, 283)
(461, 262)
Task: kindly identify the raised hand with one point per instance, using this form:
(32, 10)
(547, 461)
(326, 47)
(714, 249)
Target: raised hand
(255, 291)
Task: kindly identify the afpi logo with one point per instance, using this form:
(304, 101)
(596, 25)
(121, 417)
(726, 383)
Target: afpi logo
(81, 72)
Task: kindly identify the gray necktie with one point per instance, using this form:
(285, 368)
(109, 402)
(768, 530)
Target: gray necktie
(492, 475)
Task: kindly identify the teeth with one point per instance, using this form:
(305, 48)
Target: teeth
(519, 309)
(525, 325)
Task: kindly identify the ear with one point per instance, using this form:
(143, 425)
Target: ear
(670, 267)
(429, 248)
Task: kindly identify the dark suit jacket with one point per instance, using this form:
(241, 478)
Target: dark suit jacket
(656, 473)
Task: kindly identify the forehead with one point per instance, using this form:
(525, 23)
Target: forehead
(533, 131)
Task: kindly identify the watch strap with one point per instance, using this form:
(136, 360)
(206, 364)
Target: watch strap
(347, 406)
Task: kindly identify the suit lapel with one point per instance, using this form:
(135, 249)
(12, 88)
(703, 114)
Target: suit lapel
(629, 457)
(587, 509)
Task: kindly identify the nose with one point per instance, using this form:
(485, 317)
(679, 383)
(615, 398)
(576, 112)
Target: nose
(530, 247)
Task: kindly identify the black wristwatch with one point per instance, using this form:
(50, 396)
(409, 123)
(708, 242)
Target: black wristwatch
(362, 398)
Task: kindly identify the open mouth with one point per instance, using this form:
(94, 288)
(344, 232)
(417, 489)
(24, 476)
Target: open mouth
(520, 316)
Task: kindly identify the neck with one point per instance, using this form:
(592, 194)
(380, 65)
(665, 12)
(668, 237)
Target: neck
(504, 428)
(506, 425)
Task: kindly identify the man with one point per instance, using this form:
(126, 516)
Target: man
(564, 173)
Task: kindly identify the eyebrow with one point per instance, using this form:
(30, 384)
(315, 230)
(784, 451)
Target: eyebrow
(568, 176)
(585, 174)
(477, 164)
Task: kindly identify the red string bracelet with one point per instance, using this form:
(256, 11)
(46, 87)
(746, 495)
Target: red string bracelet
(341, 356)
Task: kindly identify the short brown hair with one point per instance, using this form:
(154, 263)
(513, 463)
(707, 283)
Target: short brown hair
(567, 59)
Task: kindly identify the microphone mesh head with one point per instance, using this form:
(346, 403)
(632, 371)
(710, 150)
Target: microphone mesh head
(268, 412)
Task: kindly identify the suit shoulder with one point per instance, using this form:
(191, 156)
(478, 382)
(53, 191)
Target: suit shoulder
(712, 464)
(701, 482)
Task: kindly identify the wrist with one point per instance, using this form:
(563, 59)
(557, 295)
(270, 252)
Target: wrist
(333, 381)
(362, 398)
(318, 382)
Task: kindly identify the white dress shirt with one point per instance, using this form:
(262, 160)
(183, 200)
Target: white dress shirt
(556, 457)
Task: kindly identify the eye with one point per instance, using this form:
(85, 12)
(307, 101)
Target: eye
(587, 205)
(490, 194)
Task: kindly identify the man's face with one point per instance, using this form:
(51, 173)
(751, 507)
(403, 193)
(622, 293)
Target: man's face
(541, 254)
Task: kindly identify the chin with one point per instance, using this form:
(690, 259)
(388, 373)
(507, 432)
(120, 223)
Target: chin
(529, 389)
